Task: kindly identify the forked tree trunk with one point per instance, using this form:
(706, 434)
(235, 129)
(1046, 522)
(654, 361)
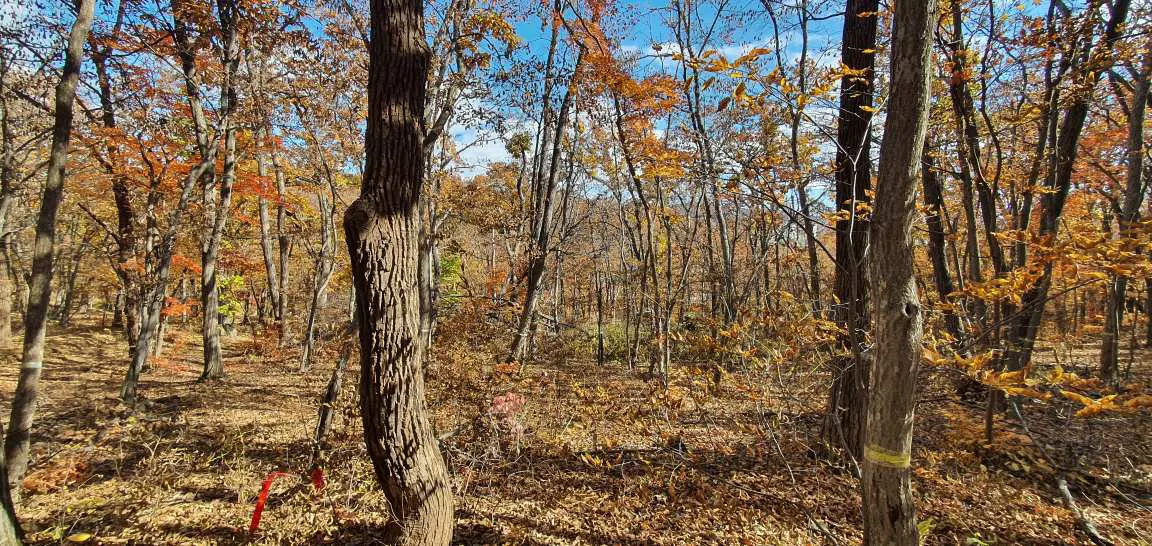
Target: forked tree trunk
(1129, 215)
(381, 232)
(324, 268)
(844, 419)
(889, 512)
(1023, 330)
(270, 269)
(17, 441)
(218, 213)
(542, 216)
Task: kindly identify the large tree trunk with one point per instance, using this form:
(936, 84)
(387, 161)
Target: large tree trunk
(889, 513)
(381, 232)
(1129, 215)
(17, 441)
(844, 420)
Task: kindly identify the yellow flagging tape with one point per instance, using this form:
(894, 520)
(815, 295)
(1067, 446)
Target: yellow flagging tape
(884, 457)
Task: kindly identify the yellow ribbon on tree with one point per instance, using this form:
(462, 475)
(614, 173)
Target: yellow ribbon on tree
(884, 457)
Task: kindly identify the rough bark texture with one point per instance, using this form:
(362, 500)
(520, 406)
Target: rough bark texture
(889, 513)
(17, 441)
(844, 420)
(381, 231)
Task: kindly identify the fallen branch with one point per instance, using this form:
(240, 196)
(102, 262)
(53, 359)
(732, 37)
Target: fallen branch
(1082, 521)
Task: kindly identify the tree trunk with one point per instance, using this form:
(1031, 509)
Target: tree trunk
(847, 398)
(323, 275)
(270, 268)
(217, 214)
(126, 241)
(1023, 330)
(889, 512)
(934, 200)
(381, 232)
(1129, 215)
(17, 441)
(542, 215)
(10, 531)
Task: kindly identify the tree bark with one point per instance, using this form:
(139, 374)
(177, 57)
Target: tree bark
(17, 441)
(381, 232)
(889, 512)
(542, 216)
(934, 200)
(847, 398)
(126, 240)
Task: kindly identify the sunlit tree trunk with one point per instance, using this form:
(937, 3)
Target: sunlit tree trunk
(381, 229)
(889, 512)
(18, 439)
(217, 213)
(324, 269)
(271, 271)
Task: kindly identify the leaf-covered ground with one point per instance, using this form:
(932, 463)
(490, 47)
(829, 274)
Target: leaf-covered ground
(598, 455)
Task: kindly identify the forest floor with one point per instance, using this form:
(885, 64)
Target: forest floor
(598, 456)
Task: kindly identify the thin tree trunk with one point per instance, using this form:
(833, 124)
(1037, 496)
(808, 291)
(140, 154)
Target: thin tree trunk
(217, 214)
(126, 241)
(1023, 330)
(381, 229)
(1129, 215)
(934, 199)
(18, 439)
(324, 268)
(270, 269)
(542, 226)
(889, 512)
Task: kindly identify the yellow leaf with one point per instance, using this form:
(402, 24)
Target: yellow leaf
(1076, 397)
(867, 108)
(79, 537)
